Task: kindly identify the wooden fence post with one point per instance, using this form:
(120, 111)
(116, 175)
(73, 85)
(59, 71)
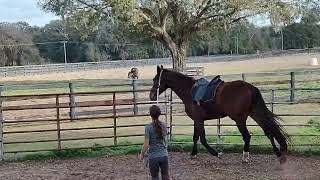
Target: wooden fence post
(1, 127)
(243, 77)
(170, 111)
(115, 143)
(58, 122)
(135, 96)
(166, 107)
(272, 99)
(72, 102)
(292, 86)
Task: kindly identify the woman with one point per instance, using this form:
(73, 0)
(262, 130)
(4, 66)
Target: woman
(155, 144)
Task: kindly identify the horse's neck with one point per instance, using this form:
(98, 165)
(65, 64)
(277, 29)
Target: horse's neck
(182, 87)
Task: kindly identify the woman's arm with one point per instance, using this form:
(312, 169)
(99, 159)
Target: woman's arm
(145, 147)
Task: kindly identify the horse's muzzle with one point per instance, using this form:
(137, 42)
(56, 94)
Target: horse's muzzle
(153, 96)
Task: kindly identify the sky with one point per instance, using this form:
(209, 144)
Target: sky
(28, 11)
(24, 10)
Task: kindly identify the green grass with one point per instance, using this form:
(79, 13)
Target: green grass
(316, 122)
(263, 140)
(96, 151)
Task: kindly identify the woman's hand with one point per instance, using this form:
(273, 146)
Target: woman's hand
(141, 156)
(145, 148)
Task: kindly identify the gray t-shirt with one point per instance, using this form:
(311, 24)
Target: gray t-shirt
(158, 147)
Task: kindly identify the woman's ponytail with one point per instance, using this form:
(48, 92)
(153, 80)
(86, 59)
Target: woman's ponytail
(155, 112)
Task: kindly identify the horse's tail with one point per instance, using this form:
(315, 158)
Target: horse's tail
(268, 121)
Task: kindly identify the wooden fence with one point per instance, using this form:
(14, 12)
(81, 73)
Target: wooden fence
(14, 71)
(167, 101)
(65, 102)
(58, 120)
(75, 67)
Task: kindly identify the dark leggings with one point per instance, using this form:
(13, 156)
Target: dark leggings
(163, 164)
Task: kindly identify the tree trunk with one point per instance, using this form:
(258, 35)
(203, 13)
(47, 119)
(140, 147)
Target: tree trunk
(178, 50)
(179, 58)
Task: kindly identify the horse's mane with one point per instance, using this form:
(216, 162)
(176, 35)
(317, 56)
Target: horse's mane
(180, 75)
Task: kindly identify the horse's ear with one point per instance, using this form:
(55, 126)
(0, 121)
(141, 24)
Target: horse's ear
(158, 69)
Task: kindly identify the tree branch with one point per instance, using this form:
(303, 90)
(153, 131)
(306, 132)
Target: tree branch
(148, 12)
(163, 18)
(94, 7)
(205, 9)
(192, 25)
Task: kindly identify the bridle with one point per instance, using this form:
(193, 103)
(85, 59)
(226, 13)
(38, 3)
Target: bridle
(159, 83)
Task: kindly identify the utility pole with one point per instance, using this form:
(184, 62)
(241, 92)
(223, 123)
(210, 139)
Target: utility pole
(281, 39)
(65, 51)
(236, 44)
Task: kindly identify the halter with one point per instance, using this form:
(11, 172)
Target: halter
(158, 89)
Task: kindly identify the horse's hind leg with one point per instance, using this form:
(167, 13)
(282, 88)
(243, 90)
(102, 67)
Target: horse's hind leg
(203, 140)
(267, 128)
(269, 122)
(275, 148)
(246, 139)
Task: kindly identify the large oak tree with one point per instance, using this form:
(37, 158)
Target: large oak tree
(172, 22)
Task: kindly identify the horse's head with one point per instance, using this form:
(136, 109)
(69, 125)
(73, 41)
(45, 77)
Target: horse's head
(159, 84)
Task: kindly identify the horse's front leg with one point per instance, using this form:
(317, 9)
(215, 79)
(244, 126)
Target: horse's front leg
(195, 141)
(203, 140)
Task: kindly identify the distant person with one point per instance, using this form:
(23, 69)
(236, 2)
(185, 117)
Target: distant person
(155, 145)
(133, 73)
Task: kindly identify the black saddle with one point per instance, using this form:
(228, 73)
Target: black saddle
(204, 91)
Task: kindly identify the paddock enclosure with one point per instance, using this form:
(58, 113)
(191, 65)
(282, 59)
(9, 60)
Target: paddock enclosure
(81, 114)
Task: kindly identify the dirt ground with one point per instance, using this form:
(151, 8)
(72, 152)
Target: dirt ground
(181, 167)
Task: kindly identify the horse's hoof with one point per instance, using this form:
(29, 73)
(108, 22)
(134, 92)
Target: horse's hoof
(245, 160)
(282, 160)
(220, 154)
(193, 156)
(245, 157)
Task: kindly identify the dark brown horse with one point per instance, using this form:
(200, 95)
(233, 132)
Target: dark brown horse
(236, 99)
